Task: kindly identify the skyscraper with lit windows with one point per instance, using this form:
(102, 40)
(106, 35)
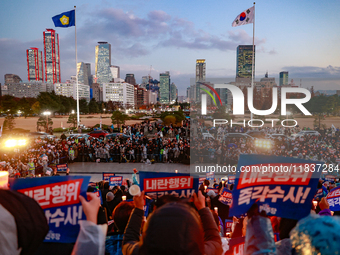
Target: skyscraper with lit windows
(52, 56)
(103, 63)
(244, 61)
(164, 88)
(35, 69)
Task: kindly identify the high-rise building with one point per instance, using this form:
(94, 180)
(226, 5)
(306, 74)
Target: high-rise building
(103, 63)
(130, 78)
(70, 90)
(119, 92)
(84, 73)
(164, 88)
(200, 70)
(52, 56)
(283, 78)
(115, 72)
(173, 92)
(35, 64)
(12, 78)
(26, 89)
(244, 57)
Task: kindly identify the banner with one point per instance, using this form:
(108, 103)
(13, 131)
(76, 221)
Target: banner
(231, 179)
(58, 196)
(106, 176)
(116, 181)
(333, 198)
(158, 184)
(62, 168)
(281, 186)
(226, 197)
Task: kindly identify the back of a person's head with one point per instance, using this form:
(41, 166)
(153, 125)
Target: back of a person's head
(109, 196)
(174, 228)
(166, 199)
(285, 226)
(121, 215)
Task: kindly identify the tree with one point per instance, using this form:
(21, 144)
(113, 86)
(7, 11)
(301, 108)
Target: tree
(8, 104)
(72, 119)
(119, 118)
(9, 122)
(93, 106)
(36, 107)
(83, 106)
(42, 122)
(25, 106)
(170, 119)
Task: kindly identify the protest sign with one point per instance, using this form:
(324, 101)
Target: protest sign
(329, 178)
(333, 198)
(231, 179)
(210, 176)
(228, 226)
(62, 168)
(106, 176)
(236, 246)
(226, 197)
(158, 184)
(281, 186)
(320, 194)
(201, 180)
(58, 196)
(116, 181)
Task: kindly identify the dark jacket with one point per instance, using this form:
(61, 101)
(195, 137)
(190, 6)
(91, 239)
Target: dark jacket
(113, 244)
(174, 228)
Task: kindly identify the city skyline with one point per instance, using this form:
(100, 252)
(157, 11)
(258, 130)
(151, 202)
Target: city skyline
(170, 36)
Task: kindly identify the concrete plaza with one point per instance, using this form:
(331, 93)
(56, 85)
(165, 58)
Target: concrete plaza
(96, 170)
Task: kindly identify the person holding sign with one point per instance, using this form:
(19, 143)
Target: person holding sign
(174, 228)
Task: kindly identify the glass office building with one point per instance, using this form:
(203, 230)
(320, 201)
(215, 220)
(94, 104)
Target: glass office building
(164, 88)
(103, 63)
(244, 59)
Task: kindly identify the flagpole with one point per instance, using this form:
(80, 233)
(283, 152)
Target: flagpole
(75, 29)
(252, 62)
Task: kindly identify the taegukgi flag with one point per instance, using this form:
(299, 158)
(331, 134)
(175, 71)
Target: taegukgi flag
(244, 18)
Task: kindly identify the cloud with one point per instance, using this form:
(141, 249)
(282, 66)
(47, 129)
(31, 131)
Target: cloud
(329, 72)
(130, 35)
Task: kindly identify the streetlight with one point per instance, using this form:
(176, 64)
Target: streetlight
(47, 113)
(104, 110)
(19, 112)
(72, 112)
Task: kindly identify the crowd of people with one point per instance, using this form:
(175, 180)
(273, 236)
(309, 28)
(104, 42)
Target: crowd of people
(324, 147)
(175, 226)
(147, 142)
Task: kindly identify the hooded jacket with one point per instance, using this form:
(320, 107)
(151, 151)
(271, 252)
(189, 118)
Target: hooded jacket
(174, 228)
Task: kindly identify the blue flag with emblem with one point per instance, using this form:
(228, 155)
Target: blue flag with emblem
(65, 19)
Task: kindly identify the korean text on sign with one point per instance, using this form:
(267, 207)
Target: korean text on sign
(168, 183)
(55, 194)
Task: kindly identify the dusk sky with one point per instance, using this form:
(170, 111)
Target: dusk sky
(301, 37)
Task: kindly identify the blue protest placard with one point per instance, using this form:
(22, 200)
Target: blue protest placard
(58, 196)
(106, 176)
(320, 194)
(226, 197)
(333, 198)
(210, 176)
(330, 178)
(116, 181)
(231, 179)
(283, 187)
(62, 167)
(158, 184)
